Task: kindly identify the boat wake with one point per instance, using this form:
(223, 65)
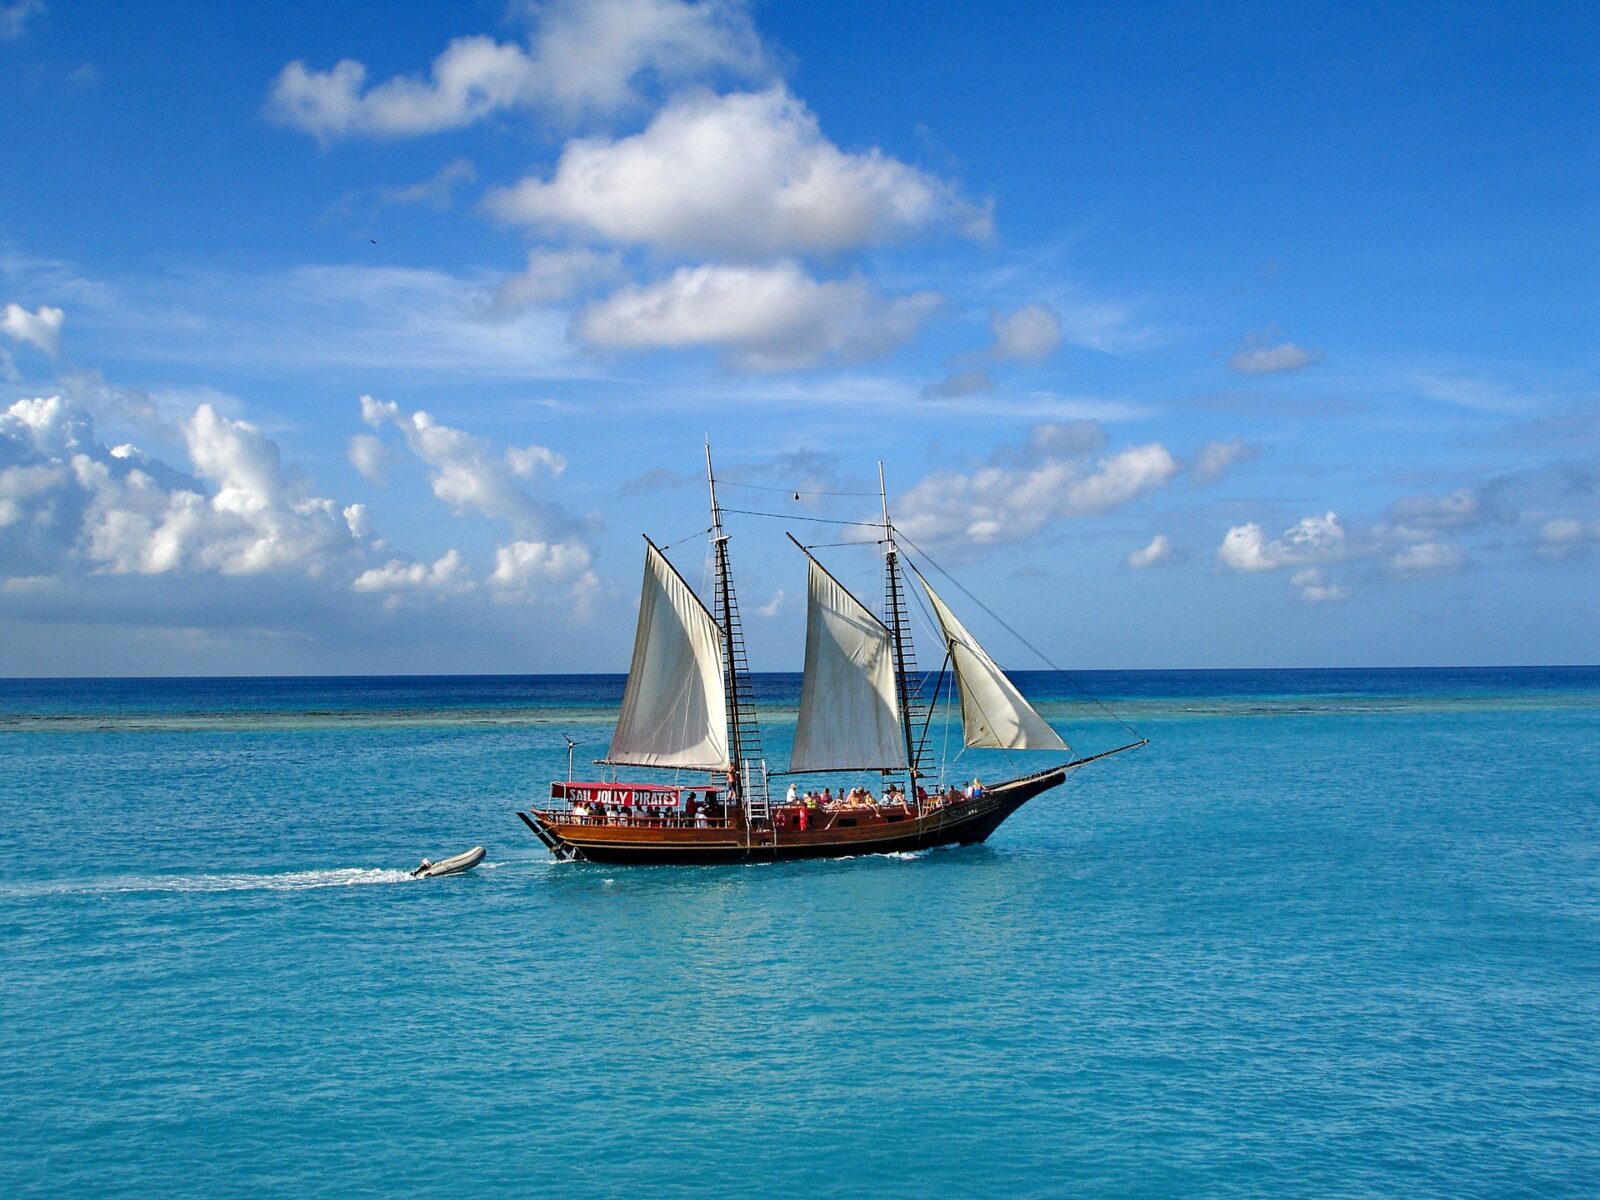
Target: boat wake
(287, 881)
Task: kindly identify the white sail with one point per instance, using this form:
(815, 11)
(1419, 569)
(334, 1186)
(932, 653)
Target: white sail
(993, 712)
(674, 711)
(849, 713)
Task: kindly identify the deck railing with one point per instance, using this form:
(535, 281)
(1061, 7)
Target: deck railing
(787, 816)
(637, 821)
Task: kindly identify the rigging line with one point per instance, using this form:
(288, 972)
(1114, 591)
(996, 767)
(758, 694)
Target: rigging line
(944, 749)
(749, 512)
(1088, 695)
(761, 487)
(832, 545)
(977, 703)
(688, 537)
(933, 706)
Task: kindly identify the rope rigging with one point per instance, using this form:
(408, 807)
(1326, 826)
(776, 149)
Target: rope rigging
(999, 620)
(795, 492)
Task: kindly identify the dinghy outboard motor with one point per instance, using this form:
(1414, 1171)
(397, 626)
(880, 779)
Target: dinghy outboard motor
(449, 866)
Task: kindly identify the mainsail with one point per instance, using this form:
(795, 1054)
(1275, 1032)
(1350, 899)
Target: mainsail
(849, 712)
(674, 711)
(993, 712)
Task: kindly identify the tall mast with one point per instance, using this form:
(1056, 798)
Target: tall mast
(896, 622)
(719, 540)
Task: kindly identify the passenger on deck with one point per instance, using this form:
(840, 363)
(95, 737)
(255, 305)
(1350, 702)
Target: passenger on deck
(700, 818)
(922, 794)
(794, 793)
(975, 792)
(827, 797)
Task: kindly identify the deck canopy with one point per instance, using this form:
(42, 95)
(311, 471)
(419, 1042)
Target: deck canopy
(993, 713)
(674, 711)
(849, 711)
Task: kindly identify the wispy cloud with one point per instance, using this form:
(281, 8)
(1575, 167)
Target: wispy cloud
(1281, 359)
(1212, 461)
(14, 17)
(1472, 392)
(581, 58)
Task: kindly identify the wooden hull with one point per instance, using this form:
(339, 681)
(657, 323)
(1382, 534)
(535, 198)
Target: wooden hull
(964, 823)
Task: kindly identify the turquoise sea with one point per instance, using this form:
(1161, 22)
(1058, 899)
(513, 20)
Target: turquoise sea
(1332, 933)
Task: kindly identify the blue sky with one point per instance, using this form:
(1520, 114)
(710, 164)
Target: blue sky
(1245, 335)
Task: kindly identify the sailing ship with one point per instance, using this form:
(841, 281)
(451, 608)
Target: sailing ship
(688, 707)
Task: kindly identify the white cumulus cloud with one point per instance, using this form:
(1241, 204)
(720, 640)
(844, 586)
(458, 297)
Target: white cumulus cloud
(117, 511)
(766, 318)
(736, 176)
(1310, 540)
(467, 475)
(1021, 490)
(41, 328)
(582, 57)
(447, 575)
(529, 462)
(539, 570)
(1157, 552)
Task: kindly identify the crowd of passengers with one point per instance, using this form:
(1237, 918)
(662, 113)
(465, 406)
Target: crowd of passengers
(696, 812)
(799, 809)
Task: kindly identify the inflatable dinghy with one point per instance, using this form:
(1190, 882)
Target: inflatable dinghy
(449, 866)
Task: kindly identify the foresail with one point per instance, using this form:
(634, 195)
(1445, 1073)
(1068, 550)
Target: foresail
(674, 711)
(993, 712)
(849, 715)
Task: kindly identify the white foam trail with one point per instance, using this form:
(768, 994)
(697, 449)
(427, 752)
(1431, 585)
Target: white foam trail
(288, 881)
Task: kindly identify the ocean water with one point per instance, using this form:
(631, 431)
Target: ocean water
(1332, 933)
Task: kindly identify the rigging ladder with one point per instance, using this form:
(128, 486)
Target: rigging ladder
(741, 703)
(908, 678)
